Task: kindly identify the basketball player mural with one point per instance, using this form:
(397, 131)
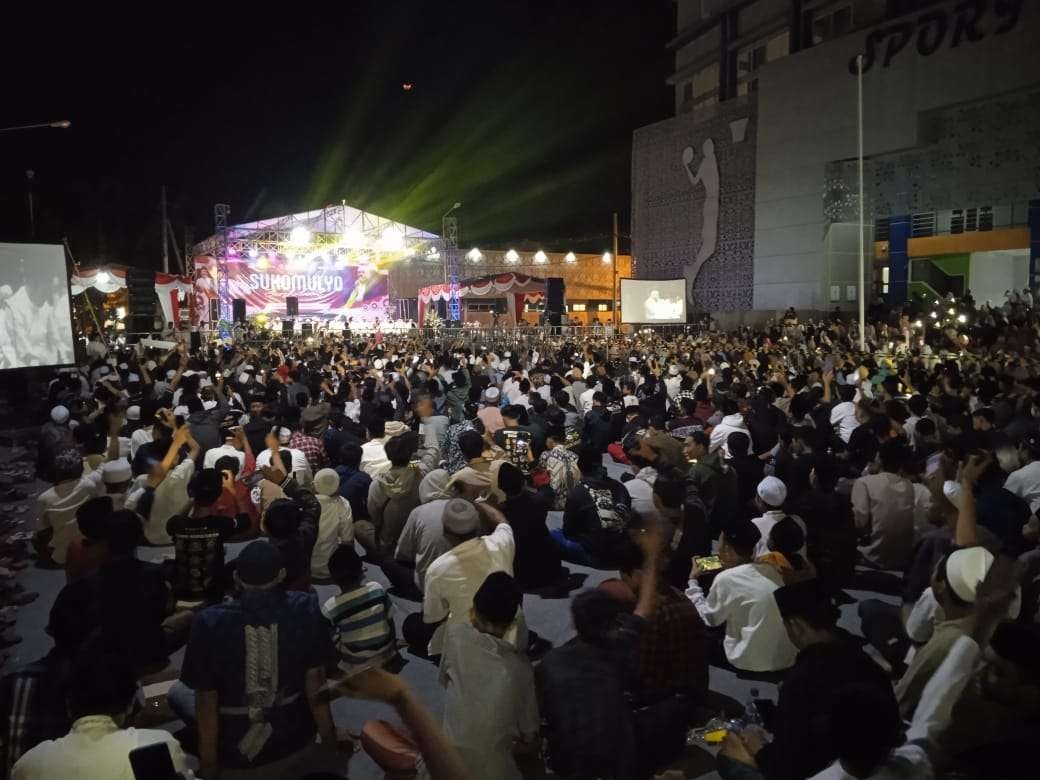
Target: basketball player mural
(707, 176)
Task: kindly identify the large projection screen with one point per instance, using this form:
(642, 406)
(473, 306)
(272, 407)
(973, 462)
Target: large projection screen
(661, 301)
(35, 318)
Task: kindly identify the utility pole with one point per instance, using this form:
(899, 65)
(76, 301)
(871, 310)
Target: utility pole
(613, 278)
(165, 242)
(32, 214)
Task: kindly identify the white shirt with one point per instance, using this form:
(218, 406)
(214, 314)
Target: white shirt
(910, 428)
(335, 527)
(58, 507)
(742, 599)
(641, 490)
(1025, 483)
(95, 749)
(211, 457)
(489, 700)
(139, 437)
(301, 468)
(731, 423)
(373, 457)
(765, 525)
(454, 578)
(844, 416)
(171, 498)
(586, 398)
(931, 718)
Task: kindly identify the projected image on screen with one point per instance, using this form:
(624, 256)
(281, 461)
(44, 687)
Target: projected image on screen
(661, 301)
(35, 325)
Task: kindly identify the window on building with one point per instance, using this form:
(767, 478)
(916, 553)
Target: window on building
(922, 224)
(828, 21)
(970, 220)
(703, 87)
(752, 57)
(577, 307)
(603, 307)
(881, 228)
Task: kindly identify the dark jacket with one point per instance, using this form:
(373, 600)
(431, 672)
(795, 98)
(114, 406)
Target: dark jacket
(596, 433)
(205, 425)
(597, 515)
(296, 549)
(353, 486)
(537, 559)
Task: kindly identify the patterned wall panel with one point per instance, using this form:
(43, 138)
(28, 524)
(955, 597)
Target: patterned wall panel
(693, 204)
(978, 154)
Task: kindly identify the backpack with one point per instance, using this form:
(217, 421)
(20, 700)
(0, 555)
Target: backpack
(613, 515)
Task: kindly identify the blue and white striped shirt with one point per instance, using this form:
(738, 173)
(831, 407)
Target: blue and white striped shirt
(362, 627)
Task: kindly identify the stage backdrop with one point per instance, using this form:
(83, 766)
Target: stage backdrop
(325, 289)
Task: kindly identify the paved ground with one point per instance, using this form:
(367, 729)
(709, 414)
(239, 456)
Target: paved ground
(550, 618)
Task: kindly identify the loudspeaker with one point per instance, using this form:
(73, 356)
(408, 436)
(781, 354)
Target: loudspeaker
(214, 311)
(140, 293)
(287, 327)
(292, 306)
(238, 310)
(138, 324)
(196, 340)
(554, 291)
(307, 330)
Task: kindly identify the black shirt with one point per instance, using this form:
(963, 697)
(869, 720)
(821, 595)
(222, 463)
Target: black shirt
(199, 546)
(537, 560)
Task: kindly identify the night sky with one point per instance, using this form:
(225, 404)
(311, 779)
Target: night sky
(522, 111)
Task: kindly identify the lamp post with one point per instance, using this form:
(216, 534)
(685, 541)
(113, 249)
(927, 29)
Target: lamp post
(862, 262)
(61, 124)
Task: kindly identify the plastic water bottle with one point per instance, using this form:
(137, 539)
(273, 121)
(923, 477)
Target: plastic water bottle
(752, 717)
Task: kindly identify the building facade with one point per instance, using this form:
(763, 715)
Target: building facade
(766, 215)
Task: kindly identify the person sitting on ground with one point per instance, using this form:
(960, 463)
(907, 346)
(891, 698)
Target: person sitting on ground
(354, 483)
(883, 505)
(162, 491)
(129, 601)
(673, 647)
(361, 617)
(561, 464)
(786, 543)
(336, 525)
(591, 728)
(291, 523)
(490, 708)
(471, 453)
(199, 536)
(455, 576)
(278, 441)
(394, 493)
(537, 561)
(87, 553)
(828, 660)
(118, 476)
(595, 433)
(253, 676)
(771, 494)
(741, 598)
(58, 506)
(101, 693)
(595, 516)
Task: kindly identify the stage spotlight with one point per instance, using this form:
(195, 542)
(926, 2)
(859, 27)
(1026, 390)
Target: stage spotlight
(474, 255)
(392, 240)
(607, 257)
(353, 238)
(570, 257)
(951, 312)
(541, 257)
(512, 256)
(433, 255)
(253, 253)
(299, 235)
(102, 277)
(962, 318)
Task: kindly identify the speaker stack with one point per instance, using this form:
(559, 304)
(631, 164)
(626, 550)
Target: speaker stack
(140, 303)
(292, 306)
(238, 310)
(554, 292)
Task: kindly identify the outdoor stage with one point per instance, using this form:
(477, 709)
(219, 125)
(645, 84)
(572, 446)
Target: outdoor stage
(334, 261)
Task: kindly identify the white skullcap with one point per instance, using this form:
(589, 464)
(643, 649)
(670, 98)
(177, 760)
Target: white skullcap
(283, 434)
(207, 405)
(243, 378)
(965, 569)
(326, 482)
(60, 414)
(133, 378)
(171, 374)
(133, 413)
(378, 364)
(115, 471)
(181, 411)
(772, 491)
(151, 365)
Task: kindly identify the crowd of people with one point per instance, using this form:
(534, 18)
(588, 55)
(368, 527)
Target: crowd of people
(765, 474)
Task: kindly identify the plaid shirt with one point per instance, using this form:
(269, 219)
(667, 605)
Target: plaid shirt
(673, 650)
(32, 709)
(312, 448)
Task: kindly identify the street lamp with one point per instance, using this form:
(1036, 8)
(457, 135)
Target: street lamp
(61, 124)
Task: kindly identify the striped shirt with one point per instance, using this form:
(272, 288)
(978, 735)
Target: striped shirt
(362, 627)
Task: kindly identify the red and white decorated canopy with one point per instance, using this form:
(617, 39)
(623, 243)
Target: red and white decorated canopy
(108, 279)
(515, 288)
